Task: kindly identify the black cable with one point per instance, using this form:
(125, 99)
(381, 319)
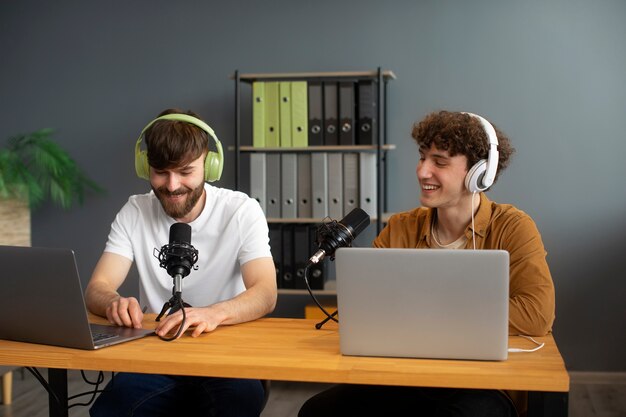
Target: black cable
(88, 403)
(93, 392)
(181, 305)
(308, 287)
(40, 378)
(99, 381)
(45, 384)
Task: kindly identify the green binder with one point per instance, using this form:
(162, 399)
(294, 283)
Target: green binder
(258, 114)
(272, 115)
(299, 114)
(285, 114)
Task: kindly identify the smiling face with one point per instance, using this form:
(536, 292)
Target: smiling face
(179, 189)
(441, 178)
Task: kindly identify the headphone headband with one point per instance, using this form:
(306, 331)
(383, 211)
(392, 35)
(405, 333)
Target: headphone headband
(489, 175)
(182, 118)
(214, 162)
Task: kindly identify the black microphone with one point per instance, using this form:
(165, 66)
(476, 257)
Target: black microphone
(178, 257)
(333, 235)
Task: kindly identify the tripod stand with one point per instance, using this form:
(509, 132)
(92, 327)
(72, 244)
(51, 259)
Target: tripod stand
(328, 317)
(174, 304)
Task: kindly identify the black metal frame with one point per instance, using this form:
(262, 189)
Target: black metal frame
(544, 404)
(540, 404)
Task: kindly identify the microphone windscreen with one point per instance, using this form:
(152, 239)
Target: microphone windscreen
(180, 233)
(356, 221)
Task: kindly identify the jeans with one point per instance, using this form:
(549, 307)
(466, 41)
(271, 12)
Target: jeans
(141, 395)
(373, 400)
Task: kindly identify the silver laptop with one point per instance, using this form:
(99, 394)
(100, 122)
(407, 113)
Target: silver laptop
(42, 301)
(423, 303)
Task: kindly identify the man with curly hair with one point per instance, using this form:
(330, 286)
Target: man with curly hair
(461, 156)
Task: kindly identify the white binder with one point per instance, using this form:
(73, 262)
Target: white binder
(305, 204)
(350, 182)
(288, 181)
(258, 179)
(367, 183)
(319, 184)
(335, 186)
(273, 185)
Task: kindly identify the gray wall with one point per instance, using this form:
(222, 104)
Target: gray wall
(550, 74)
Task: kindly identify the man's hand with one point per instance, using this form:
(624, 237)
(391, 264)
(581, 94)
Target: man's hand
(125, 312)
(205, 319)
(259, 298)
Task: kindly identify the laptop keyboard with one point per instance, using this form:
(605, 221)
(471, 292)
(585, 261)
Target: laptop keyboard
(98, 337)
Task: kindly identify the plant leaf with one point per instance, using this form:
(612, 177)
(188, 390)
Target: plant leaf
(35, 164)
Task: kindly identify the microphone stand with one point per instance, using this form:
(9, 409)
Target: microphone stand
(323, 322)
(176, 302)
(328, 315)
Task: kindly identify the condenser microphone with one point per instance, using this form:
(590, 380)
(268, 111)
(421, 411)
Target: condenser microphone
(179, 256)
(334, 235)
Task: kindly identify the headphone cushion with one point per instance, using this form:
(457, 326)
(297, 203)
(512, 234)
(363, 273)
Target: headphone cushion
(141, 165)
(474, 177)
(212, 165)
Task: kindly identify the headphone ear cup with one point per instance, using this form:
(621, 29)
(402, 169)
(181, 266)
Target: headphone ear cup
(474, 177)
(212, 167)
(141, 165)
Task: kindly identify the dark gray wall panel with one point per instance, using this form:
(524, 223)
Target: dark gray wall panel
(550, 74)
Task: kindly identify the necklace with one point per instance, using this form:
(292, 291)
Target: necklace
(452, 245)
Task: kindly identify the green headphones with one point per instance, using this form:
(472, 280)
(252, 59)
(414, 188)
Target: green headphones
(213, 164)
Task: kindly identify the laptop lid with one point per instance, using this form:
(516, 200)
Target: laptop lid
(423, 303)
(43, 301)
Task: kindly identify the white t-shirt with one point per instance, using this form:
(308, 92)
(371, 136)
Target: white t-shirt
(230, 231)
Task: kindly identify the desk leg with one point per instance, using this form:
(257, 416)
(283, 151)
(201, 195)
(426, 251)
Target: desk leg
(57, 378)
(544, 404)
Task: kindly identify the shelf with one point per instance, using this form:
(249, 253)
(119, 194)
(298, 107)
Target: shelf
(291, 76)
(331, 289)
(289, 291)
(385, 218)
(347, 148)
(368, 149)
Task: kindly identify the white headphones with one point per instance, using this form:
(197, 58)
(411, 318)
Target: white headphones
(482, 175)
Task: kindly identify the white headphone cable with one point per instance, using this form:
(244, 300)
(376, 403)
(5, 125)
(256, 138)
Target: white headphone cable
(473, 236)
(513, 350)
(517, 350)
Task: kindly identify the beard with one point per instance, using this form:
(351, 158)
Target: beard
(179, 210)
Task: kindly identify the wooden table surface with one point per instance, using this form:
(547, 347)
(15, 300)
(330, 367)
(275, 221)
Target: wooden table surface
(293, 350)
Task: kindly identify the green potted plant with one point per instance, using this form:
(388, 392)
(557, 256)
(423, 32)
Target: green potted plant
(34, 169)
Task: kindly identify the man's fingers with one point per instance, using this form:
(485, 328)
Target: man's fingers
(136, 314)
(125, 312)
(112, 314)
(168, 324)
(122, 311)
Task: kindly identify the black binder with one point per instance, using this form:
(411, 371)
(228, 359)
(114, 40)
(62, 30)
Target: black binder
(346, 113)
(331, 114)
(367, 113)
(276, 246)
(318, 272)
(288, 276)
(315, 101)
(301, 252)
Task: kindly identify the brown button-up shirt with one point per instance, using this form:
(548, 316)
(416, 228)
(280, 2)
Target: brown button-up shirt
(497, 226)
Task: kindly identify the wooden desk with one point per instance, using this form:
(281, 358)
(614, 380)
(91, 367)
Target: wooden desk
(293, 350)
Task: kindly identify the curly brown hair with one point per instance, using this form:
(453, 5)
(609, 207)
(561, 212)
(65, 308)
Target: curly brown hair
(174, 143)
(460, 133)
